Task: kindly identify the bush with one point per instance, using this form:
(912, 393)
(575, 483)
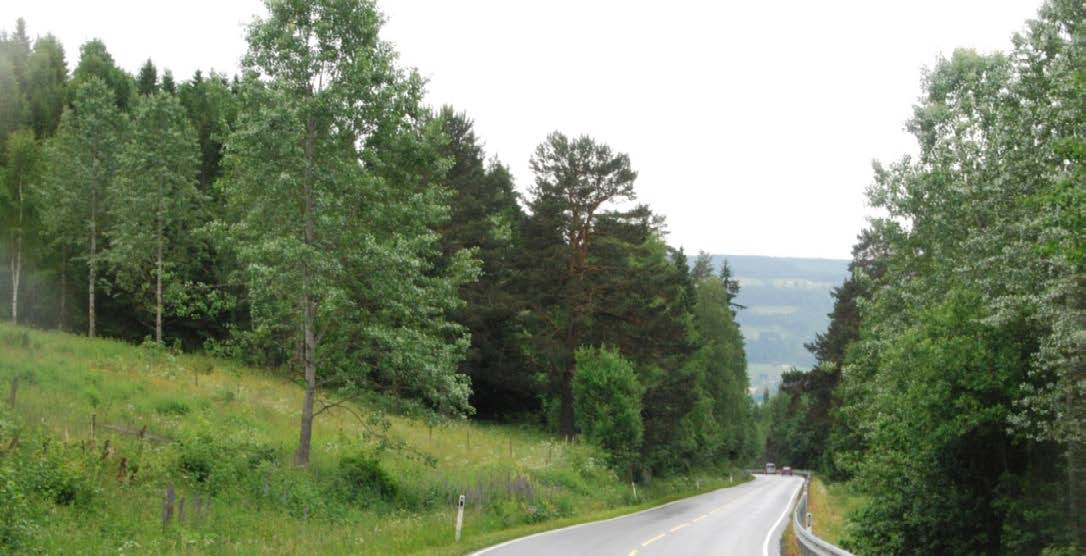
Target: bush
(169, 406)
(362, 479)
(607, 403)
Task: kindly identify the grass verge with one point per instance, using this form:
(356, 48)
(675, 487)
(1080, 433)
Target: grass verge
(830, 504)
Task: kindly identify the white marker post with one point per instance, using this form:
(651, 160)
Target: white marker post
(459, 516)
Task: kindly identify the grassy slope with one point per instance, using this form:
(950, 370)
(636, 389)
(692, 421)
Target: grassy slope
(830, 505)
(233, 435)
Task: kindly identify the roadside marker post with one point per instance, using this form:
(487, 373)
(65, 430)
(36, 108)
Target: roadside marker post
(459, 516)
(810, 520)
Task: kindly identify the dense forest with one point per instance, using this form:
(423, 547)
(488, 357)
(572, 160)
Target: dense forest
(950, 382)
(314, 217)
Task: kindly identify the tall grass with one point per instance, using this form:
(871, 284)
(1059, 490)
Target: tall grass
(830, 505)
(224, 432)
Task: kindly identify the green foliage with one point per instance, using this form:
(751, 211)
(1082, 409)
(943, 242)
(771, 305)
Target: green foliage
(96, 63)
(154, 203)
(82, 161)
(607, 401)
(961, 388)
(486, 217)
(362, 480)
(334, 251)
(47, 74)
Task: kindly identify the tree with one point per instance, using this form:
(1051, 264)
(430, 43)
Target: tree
(608, 404)
(22, 176)
(724, 378)
(731, 286)
(485, 217)
(703, 267)
(168, 85)
(153, 198)
(147, 80)
(95, 62)
(12, 101)
(330, 185)
(965, 382)
(212, 108)
(575, 179)
(46, 81)
(81, 162)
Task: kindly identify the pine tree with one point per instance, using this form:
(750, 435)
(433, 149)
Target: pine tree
(575, 179)
(147, 80)
(47, 75)
(486, 217)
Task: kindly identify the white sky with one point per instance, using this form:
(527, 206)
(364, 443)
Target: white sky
(752, 124)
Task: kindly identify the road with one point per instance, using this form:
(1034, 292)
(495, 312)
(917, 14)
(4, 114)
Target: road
(743, 520)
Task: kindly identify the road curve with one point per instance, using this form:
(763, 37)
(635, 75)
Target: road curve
(743, 520)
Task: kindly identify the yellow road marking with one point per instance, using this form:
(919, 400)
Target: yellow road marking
(700, 517)
(677, 527)
(654, 539)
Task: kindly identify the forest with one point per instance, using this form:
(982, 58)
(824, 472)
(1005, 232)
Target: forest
(312, 216)
(950, 384)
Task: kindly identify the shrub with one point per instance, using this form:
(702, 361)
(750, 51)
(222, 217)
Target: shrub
(170, 406)
(607, 403)
(362, 479)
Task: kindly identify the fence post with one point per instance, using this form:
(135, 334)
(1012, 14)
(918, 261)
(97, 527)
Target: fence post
(459, 516)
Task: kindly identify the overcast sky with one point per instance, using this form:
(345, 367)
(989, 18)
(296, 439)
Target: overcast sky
(752, 124)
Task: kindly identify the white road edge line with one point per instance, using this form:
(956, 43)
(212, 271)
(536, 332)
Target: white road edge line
(579, 525)
(769, 535)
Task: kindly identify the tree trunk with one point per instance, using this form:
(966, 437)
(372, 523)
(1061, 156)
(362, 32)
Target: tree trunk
(566, 418)
(17, 260)
(92, 275)
(16, 272)
(61, 318)
(301, 456)
(158, 284)
(1072, 473)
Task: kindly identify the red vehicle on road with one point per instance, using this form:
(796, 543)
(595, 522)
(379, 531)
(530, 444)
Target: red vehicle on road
(786, 470)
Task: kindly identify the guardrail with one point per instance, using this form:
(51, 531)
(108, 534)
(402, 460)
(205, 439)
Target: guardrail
(809, 543)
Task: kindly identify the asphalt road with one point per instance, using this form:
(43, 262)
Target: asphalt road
(744, 520)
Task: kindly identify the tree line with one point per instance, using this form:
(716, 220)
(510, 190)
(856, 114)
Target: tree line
(950, 381)
(312, 215)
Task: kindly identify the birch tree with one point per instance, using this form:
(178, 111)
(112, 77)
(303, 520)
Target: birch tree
(331, 211)
(81, 162)
(22, 176)
(153, 200)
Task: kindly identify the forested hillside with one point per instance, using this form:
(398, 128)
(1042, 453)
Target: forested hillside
(786, 302)
(311, 216)
(950, 382)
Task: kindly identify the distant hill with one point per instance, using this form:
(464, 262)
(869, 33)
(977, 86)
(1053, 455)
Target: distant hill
(787, 302)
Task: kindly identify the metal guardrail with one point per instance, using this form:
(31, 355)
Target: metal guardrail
(809, 543)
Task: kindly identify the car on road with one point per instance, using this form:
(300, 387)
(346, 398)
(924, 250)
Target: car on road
(770, 469)
(786, 470)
